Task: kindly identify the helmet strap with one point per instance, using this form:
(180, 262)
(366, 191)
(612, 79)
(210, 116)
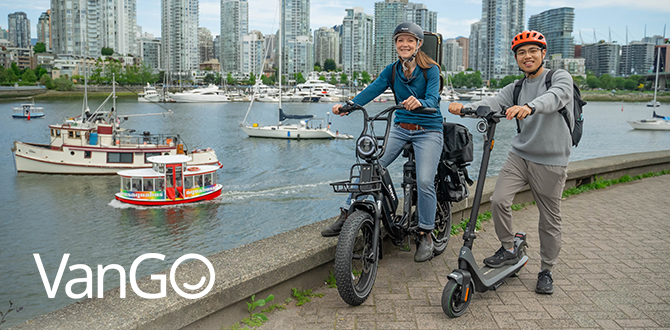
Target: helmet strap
(536, 70)
(411, 58)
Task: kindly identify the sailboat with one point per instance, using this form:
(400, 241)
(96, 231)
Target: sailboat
(307, 127)
(449, 94)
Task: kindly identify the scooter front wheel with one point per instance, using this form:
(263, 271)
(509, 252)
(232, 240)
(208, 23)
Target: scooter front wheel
(356, 259)
(452, 295)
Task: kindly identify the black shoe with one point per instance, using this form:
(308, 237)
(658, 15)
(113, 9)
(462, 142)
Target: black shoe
(334, 229)
(500, 258)
(424, 251)
(544, 283)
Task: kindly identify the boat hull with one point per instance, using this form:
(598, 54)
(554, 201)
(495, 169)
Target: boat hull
(651, 125)
(161, 202)
(32, 115)
(290, 132)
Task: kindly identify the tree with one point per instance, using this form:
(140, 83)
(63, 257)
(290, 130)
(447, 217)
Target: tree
(329, 65)
(209, 78)
(40, 48)
(40, 71)
(592, 81)
(344, 79)
(493, 83)
(47, 82)
(252, 79)
(15, 69)
(322, 78)
(365, 77)
(230, 80)
(317, 66)
(64, 84)
(29, 76)
(107, 51)
(333, 80)
(299, 78)
(267, 80)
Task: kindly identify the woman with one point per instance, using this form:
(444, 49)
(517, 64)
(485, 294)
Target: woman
(413, 89)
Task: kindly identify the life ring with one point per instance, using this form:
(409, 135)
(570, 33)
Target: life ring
(219, 163)
(194, 169)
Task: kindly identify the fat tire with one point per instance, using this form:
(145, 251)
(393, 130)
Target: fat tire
(451, 295)
(445, 232)
(353, 293)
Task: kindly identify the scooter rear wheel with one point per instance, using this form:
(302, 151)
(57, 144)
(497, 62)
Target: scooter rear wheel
(355, 262)
(451, 298)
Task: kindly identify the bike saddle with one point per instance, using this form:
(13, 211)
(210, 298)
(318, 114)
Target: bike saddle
(407, 149)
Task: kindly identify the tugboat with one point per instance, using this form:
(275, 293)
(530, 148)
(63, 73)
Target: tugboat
(169, 182)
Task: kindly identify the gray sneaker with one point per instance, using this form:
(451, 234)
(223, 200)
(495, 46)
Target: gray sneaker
(545, 283)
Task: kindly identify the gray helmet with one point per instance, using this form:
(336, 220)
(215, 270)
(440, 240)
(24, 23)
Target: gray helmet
(410, 28)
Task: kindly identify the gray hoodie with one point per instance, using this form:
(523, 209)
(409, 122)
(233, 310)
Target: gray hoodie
(544, 138)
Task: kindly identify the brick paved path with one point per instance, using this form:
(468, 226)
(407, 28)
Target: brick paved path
(612, 274)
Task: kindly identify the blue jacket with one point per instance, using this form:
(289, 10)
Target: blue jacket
(427, 93)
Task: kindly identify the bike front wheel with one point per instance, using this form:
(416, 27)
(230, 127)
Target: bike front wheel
(356, 259)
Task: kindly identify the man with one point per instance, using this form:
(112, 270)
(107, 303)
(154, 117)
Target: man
(539, 154)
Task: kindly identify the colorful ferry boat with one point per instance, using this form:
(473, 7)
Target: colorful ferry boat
(169, 182)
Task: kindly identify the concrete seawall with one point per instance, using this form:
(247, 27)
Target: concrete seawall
(299, 258)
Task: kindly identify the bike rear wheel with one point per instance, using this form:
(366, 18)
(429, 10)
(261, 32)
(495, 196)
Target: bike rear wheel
(355, 262)
(442, 231)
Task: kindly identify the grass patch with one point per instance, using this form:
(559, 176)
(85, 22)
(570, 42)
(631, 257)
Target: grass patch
(304, 296)
(332, 283)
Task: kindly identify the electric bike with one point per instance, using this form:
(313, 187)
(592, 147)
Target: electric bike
(468, 277)
(374, 203)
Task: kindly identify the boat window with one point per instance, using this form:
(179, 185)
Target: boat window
(77, 134)
(70, 134)
(155, 167)
(177, 176)
(57, 132)
(87, 154)
(208, 179)
(169, 179)
(197, 180)
(150, 154)
(161, 168)
(214, 178)
(125, 183)
(136, 184)
(188, 182)
(120, 157)
(148, 184)
(52, 132)
(161, 184)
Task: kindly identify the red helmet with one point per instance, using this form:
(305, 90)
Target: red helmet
(529, 37)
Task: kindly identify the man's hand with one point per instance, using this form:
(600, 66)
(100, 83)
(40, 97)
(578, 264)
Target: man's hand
(336, 110)
(517, 111)
(455, 108)
(411, 103)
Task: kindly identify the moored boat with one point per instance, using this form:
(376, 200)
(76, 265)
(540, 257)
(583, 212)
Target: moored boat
(169, 182)
(28, 110)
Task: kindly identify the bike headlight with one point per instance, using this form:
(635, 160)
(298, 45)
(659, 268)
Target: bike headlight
(366, 146)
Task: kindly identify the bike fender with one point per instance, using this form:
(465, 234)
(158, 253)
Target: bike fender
(457, 276)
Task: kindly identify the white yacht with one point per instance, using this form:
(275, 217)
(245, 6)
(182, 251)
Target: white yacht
(319, 91)
(385, 97)
(479, 94)
(150, 95)
(209, 94)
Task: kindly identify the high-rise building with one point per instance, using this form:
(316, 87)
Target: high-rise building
(575, 66)
(665, 57)
(44, 29)
(636, 58)
(117, 25)
(388, 15)
(205, 44)
(475, 46)
(656, 40)
(270, 46)
(216, 47)
(419, 14)
(296, 36)
(465, 44)
(453, 56)
(19, 29)
(150, 51)
(4, 34)
(179, 35)
(74, 28)
(357, 42)
(326, 45)
(253, 47)
(556, 25)
(602, 58)
(234, 26)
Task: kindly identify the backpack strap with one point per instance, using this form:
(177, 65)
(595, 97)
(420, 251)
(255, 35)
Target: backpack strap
(563, 111)
(395, 66)
(515, 98)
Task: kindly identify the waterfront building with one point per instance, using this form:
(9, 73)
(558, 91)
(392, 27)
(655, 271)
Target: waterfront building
(556, 25)
(74, 28)
(216, 47)
(475, 46)
(357, 41)
(179, 36)
(602, 57)
(23, 56)
(117, 25)
(388, 15)
(253, 47)
(209, 66)
(296, 38)
(151, 51)
(44, 29)
(205, 44)
(636, 58)
(464, 43)
(576, 66)
(234, 26)
(419, 14)
(19, 29)
(453, 56)
(501, 21)
(4, 34)
(326, 45)
(665, 57)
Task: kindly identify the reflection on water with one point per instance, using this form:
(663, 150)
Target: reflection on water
(269, 186)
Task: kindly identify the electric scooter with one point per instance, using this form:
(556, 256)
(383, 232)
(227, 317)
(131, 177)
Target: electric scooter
(469, 277)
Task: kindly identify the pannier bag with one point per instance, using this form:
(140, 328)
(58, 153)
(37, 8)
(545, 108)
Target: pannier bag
(452, 174)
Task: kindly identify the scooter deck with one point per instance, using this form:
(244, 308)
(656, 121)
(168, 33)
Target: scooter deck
(491, 278)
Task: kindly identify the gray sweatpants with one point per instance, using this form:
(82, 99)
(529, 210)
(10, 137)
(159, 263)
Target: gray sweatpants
(546, 184)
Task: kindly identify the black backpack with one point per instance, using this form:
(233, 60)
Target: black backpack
(578, 116)
(432, 46)
(452, 173)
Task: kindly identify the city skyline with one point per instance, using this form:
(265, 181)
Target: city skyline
(452, 23)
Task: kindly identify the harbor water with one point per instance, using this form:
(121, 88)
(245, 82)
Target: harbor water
(269, 187)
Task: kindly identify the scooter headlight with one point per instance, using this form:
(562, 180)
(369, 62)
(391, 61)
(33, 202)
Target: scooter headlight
(366, 146)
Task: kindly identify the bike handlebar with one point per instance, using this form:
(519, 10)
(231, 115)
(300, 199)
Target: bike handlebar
(483, 111)
(350, 106)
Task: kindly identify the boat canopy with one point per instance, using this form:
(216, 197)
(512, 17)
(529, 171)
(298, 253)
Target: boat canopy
(169, 159)
(283, 116)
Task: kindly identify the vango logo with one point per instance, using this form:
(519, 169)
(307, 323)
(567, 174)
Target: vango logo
(51, 289)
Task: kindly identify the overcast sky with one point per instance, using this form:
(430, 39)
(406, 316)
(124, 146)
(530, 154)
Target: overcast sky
(454, 17)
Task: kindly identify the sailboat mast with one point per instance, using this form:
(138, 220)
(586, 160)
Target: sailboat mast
(84, 106)
(281, 22)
